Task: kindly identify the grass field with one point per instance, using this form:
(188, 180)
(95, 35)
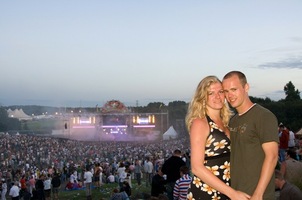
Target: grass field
(104, 193)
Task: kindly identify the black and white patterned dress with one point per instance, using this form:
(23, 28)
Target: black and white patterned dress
(217, 160)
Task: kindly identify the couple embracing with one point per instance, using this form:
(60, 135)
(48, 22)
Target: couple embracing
(232, 156)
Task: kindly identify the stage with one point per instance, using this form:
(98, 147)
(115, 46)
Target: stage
(96, 134)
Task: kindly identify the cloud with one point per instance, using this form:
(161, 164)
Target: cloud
(291, 63)
(275, 95)
(296, 39)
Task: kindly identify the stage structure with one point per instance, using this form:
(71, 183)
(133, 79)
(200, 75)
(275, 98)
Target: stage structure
(115, 122)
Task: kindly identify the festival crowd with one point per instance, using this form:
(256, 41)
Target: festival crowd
(32, 158)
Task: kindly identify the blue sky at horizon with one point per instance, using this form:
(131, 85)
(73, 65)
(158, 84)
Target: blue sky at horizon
(76, 53)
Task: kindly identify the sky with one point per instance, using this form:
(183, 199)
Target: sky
(74, 53)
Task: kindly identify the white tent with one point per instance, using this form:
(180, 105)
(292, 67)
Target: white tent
(18, 114)
(299, 133)
(170, 134)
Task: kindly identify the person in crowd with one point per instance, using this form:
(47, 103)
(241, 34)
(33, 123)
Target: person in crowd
(145, 167)
(110, 178)
(3, 189)
(182, 185)
(64, 173)
(171, 169)
(207, 121)
(128, 176)
(96, 176)
(291, 139)
(40, 187)
(299, 150)
(69, 186)
(56, 184)
(254, 140)
(14, 191)
(126, 187)
(121, 174)
(1, 182)
(122, 178)
(162, 197)
(291, 169)
(138, 171)
(283, 144)
(79, 173)
(116, 195)
(187, 159)
(88, 177)
(158, 183)
(288, 191)
(148, 171)
(26, 194)
(23, 185)
(73, 178)
(47, 187)
(32, 183)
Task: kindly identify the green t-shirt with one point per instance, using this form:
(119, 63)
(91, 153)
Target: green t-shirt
(248, 132)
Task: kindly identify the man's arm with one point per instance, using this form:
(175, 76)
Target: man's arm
(271, 157)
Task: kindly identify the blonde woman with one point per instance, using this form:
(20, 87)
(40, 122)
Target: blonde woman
(207, 122)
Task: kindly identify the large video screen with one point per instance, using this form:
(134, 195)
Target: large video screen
(114, 120)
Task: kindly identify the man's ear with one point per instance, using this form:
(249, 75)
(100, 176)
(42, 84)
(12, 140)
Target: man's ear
(246, 87)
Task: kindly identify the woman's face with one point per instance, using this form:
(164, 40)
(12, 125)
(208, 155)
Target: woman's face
(215, 96)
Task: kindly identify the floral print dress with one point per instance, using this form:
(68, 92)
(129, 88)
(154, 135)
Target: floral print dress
(217, 160)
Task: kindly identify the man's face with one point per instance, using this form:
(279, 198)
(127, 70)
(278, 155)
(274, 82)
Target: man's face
(234, 92)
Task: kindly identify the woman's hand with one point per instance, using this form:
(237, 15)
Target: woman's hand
(238, 195)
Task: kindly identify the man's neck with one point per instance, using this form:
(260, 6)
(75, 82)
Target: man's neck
(246, 108)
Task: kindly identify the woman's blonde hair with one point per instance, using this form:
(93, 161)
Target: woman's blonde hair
(197, 107)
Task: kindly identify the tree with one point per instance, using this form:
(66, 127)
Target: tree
(156, 107)
(177, 114)
(7, 123)
(290, 92)
(3, 119)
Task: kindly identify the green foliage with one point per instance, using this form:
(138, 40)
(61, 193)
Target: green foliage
(48, 124)
(288, 110)
(156, 107)
(291, 93)
(25, 126)
(177, 113)
(7, 123)
(260, 100)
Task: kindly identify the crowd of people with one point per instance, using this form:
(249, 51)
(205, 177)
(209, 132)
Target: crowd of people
(35, 158)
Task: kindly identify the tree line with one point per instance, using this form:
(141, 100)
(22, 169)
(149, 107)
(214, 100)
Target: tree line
(288, 111)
